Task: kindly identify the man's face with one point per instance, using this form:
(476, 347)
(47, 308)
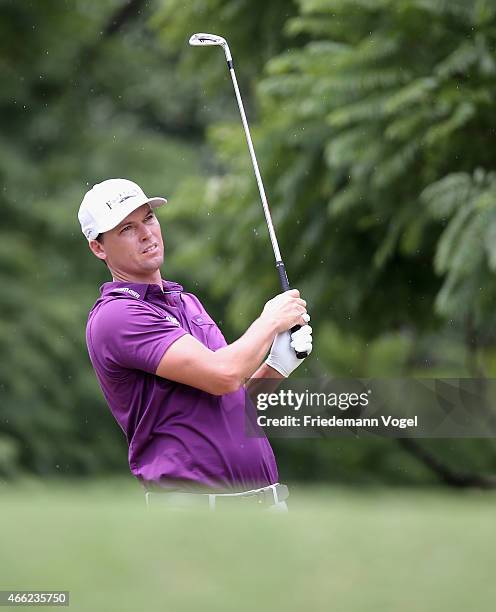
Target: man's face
(135, 247)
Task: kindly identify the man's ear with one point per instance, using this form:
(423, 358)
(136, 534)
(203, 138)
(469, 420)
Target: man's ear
(97, 249)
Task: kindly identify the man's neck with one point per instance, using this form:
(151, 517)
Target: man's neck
(154, 279)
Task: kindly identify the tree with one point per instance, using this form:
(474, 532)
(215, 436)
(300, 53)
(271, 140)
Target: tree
(371, 138)
(374, 137)
(79, 103)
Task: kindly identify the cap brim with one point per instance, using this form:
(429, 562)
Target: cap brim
(156, 202)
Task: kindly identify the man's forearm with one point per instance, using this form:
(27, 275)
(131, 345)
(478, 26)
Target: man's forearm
(265, 371)
(265, 379)
(245, 355)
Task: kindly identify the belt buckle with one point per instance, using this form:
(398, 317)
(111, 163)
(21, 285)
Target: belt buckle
(267, 496)
(256, 497)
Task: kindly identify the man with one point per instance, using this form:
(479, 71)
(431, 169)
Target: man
(170, 379)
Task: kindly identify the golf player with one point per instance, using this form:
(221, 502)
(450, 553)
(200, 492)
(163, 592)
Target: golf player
(174, 385)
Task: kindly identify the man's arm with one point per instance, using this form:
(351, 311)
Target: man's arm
(265, 371)
(189, 362)
(269, 377)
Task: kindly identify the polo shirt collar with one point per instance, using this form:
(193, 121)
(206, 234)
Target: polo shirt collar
(137, 290)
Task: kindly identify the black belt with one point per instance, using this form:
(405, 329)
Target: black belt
(261, 498)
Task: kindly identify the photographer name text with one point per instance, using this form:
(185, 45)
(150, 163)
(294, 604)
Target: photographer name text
(333, 421)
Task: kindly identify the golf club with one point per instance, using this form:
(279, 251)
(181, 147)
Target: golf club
(201, 40)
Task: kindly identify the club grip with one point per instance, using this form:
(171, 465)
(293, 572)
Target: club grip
(283, 277)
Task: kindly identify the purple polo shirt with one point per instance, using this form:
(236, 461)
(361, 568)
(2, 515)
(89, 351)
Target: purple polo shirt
(179, 437)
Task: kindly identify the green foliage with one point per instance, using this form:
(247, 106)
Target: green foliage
(254, 34)
(373, 130)
(465, 252)
(75, 110)
(373, 125)
(383, 101)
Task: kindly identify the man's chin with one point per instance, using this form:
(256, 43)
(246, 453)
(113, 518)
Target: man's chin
(152, 263)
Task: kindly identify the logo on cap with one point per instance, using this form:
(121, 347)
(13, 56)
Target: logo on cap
(122, 197)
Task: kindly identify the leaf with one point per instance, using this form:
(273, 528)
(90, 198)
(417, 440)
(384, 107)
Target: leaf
(445, 196)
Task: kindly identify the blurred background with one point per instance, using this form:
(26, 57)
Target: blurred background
(373, 123)
(374, 126)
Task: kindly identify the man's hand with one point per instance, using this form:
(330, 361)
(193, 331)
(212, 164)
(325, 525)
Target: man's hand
(283, 357)
(285, 311)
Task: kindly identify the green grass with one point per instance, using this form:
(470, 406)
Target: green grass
(340, 550)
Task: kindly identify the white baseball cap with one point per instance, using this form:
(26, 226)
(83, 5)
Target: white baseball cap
(106, 204)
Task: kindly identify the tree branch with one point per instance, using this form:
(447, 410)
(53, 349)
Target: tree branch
(129, 11)
(445, 472)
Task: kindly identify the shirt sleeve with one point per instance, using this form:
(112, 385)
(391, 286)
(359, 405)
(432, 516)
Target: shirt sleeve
(129, 334)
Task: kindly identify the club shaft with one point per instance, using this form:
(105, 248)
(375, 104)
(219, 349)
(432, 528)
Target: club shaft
(281, 270)
(263, 197)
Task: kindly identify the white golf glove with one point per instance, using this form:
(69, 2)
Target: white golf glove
(282, 355)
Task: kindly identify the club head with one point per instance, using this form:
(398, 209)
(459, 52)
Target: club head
(202, 39)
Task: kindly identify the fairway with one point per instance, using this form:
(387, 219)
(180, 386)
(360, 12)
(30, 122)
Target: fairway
(337, 549)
